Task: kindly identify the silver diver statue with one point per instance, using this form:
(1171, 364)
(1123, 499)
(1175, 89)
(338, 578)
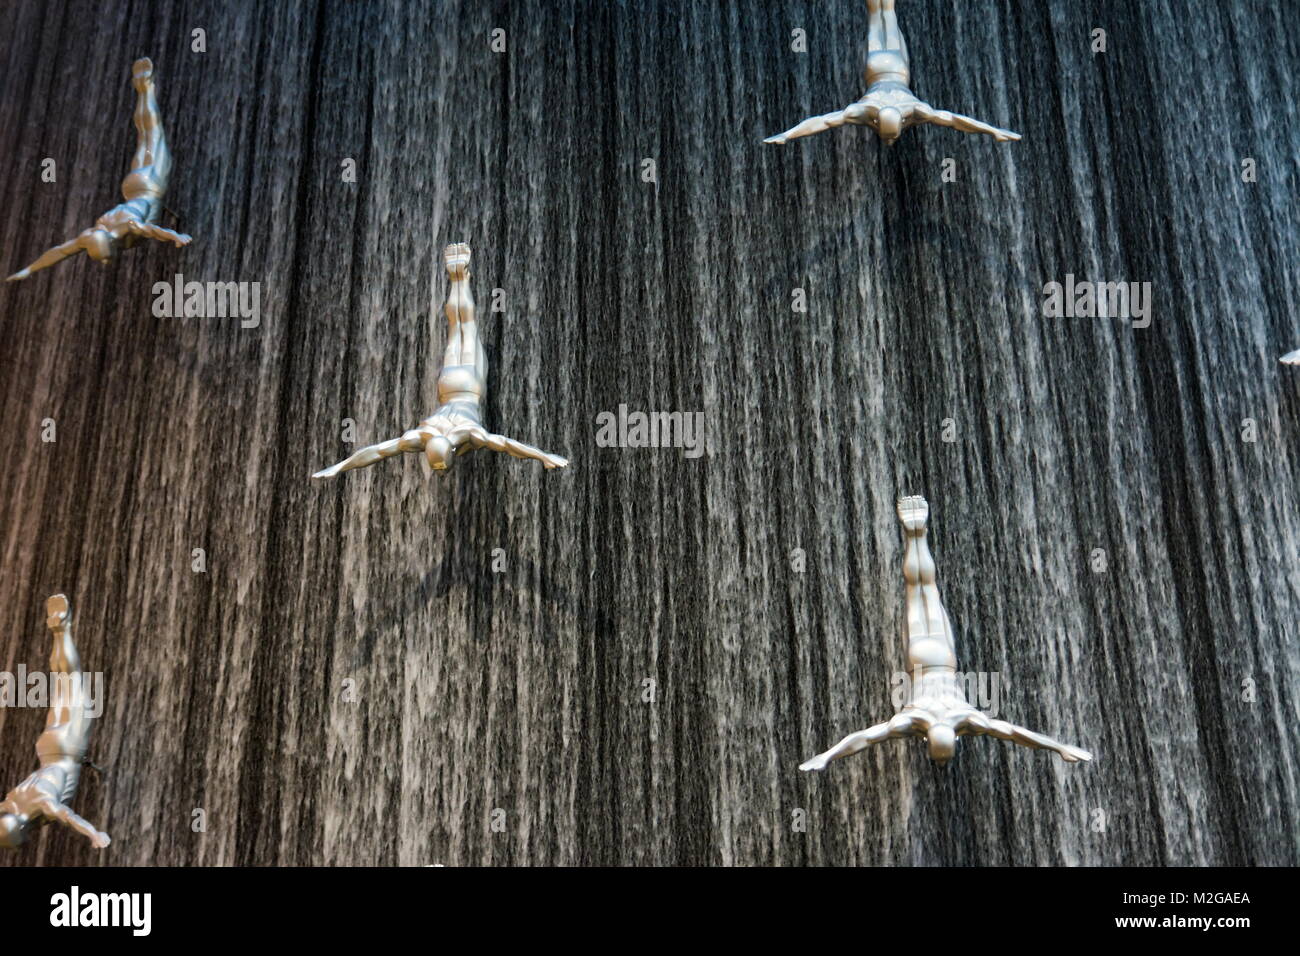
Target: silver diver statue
(457, 426)
(45, 795)
(125, 224)
(888, 106)
(937, 708)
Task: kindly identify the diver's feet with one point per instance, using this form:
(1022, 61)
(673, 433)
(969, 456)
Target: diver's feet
(457, 256)
(1073, 754)
(913, 512)
(142, 74)
(56, 611)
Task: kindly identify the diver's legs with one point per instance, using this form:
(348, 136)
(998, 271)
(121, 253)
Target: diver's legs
(67, 726)
(884, 32)
(451, 353)
(471, 349)
(480, 356)
(58, 618)
(459, 308)
(463, 345)
(151, 145)
(926, 617)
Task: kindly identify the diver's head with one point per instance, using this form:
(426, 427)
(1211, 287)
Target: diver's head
(99, 245)
(13, 829)
(889, 124)
(439, 452)
(943, 743)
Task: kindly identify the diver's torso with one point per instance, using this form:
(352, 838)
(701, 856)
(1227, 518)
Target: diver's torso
(930, 652)
(117, 221)
(937, 691)
(460, 384)
(453, 415)
(887, 68)
(56, 779)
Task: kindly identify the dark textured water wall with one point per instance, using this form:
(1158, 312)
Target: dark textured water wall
(625, 662)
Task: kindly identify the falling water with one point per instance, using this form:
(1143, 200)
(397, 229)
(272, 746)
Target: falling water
(624, 662)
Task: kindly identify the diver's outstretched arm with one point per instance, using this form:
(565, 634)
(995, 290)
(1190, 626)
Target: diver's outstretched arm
(411, 441)
(149, 231)
(49, 258)
(979, 724)
(60, 812)
(900, 725)
(811, 126)
(963, 123)
(1291, 358)
(480, 438)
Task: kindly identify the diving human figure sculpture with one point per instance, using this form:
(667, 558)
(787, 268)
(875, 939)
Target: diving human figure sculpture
(938, 709)
(888, 106)
(457, 426)
(143, 189)
(45, 795)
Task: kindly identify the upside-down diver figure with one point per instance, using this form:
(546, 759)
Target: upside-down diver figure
(937, 708)
(888, 106)
(44, 796)
(457, 426)
(143, 189)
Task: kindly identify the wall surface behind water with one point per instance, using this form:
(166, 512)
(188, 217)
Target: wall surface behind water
(522, 691)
